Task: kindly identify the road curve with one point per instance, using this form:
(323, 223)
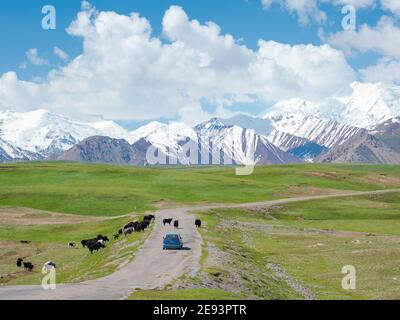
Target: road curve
(152, 267)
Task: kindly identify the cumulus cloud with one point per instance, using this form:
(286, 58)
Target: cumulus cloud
(126, 73)
(386, 71)
(33, 57)
(300, 71)
(384, 38)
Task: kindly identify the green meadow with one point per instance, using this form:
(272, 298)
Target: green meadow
(293, 251)
(50, 243)
(104, 190)
(308, 243)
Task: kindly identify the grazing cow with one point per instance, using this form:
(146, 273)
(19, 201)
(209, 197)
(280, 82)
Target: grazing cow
(198, 223)
(176, 224)
(167, 221)
(95, 247)
(49, 265)
(19, 262)
(130, 225)
(129, 231)
(25, 241)
(139, 227)
(104, 238)
(28, 266)
(86, 243)
(146, 223)
(116, 236)
(120, 232)
(71, 244)
(149, 218)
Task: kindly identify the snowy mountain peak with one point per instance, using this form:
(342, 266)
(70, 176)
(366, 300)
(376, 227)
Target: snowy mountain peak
(370, 104)
(291, 109)
(45, 133)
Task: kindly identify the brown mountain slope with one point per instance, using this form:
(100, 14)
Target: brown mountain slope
(102, 150)
(362, 148)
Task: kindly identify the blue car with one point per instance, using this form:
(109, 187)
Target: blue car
(172, 242)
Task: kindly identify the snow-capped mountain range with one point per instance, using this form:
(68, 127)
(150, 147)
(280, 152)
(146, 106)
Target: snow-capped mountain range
(290, 131)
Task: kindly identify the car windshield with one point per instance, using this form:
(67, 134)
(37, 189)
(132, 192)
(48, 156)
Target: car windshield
(171, 237)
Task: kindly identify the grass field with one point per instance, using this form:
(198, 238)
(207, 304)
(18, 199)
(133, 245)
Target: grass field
(285, 252)
(304, 245)
(104, 190)
(50, 243)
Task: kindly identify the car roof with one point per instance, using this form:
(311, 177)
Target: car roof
(172, 235)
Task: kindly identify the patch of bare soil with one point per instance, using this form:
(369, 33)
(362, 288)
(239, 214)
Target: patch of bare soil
(330, 175)
(26, 216)
(383, 179)
(300, 190)
(266, 211)
(164, 204)
(11, 276)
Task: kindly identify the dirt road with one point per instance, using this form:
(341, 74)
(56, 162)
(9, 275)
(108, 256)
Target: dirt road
(152, 267)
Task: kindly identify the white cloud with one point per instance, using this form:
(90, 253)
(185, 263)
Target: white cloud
(391, 5)
(310, 10)
(60, 53)
(384, 39)
(300, 71)
(386, 71)
(126, 73)
(306, 10)
(33, 57)
(360, 4)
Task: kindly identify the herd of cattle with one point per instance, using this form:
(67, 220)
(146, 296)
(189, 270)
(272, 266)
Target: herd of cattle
(98, 243)
(29, 266)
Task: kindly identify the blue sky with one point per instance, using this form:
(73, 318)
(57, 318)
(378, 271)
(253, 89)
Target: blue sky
(246, 20)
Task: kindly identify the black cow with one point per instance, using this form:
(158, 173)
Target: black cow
(149, 218)
(120, 232)
(176, 224)
(130, 225)
(198, 223)
(129, 231)
(71, 244)
(19, 262)
(139, 227)
(28, 266)
(146, 223)
(86, 243)
(25, 241)
(95, 246)
(101, 237)
(167, 221)
(116, 236)
(142, 226)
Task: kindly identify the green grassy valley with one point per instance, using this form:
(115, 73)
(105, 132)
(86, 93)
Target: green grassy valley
(290, 251)
(104, 190)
